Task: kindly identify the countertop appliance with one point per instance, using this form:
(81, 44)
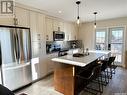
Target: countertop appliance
(63, 52)
(15, 57)
(58, 35)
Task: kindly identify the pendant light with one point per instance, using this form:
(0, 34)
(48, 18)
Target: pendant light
(78, 18)
(95, 23)
(15, 20)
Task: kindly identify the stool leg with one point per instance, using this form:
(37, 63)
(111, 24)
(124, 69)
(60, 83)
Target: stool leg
(99, 85)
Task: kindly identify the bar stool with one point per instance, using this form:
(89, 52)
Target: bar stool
(89, 75)
(5, 91)
(104, 72)
(111, 65)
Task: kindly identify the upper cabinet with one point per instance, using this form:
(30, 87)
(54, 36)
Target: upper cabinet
(49, 29)
(70, 30)
(22, 17)
(53, 25)
(58, 25)
(37, 26)
(73, 32)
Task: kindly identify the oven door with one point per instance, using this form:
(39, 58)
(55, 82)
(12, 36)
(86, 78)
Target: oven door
(58, 36)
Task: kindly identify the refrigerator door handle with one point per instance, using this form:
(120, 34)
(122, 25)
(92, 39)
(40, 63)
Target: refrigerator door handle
(16, 46)
(0, 55)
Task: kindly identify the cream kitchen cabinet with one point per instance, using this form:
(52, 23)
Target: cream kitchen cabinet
(49, 29)
(50, 63)
(6, 21)
(70, 31)
(58, 25)
(35, 34)
(73, 33)
(22, 16)
(67, 30)
(37, 26)
(53, 25)
(39, 68)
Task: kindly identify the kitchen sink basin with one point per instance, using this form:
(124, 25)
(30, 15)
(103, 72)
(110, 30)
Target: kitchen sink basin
(78, 55)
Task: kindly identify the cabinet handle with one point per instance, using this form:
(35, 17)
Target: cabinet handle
(39, 45)
(68, 37)
(58, 28)
(39, 35)
(75, 37)
(47, 37)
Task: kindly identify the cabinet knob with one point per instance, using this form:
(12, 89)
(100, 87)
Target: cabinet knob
(58, 28)
(68, 37)
(75, 37)
(47, 37)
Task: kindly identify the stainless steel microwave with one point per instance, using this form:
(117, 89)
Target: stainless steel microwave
(58, 35)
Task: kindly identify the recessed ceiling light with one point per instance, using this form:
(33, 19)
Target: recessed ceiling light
(60, 12)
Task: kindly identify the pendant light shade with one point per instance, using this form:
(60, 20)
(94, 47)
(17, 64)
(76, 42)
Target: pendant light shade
(95, 22)
(78, 18)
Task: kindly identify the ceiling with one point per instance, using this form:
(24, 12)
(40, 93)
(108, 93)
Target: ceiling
(107, 9)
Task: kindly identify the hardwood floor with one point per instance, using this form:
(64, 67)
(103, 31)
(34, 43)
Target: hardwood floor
(117, 85)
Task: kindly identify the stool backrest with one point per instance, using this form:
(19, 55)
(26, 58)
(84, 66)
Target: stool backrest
(111, 59)
(96, 71)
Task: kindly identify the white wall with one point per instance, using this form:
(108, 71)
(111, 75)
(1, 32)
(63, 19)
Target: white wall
(87, 31)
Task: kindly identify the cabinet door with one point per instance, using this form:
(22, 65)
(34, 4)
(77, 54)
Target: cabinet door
(41, 25)
(37, 26)
(67, 30)
(36, 49)
(49, 29)
(61, 25)
(41, 29)
(43, 67)
(73, 35)
(35, 71)
(58, 25)
(55, 25)
(6, 21)
(50, 63)
(33, 26)
(23, 17)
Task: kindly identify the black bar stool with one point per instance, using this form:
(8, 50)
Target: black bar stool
(89, 75)
(5, 91)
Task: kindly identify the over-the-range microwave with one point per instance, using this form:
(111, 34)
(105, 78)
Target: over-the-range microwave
(58, 35)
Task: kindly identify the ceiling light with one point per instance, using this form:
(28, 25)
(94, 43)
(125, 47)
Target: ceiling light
(95, 22)
(78, 18)
(60, 12)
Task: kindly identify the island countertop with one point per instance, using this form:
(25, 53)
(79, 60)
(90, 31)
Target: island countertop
(66, 68)
(80, 61)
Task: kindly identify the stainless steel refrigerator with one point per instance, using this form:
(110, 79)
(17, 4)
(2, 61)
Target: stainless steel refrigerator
(15, 56)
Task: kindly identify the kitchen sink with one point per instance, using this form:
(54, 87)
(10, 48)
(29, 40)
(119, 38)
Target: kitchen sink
(78, 55)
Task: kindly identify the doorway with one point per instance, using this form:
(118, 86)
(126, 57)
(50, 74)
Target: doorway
(111, 39)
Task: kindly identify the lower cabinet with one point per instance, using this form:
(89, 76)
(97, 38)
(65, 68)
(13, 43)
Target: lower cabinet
(39, 68)
(42, 66)
(50, 63)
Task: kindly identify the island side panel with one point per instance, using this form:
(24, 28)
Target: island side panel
(64, 80)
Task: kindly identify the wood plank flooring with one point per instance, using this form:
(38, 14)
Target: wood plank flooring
(117, 86)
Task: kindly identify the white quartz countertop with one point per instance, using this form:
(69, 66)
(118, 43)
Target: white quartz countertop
(80, 61)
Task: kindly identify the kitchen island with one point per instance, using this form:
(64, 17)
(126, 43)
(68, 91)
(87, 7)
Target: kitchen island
(66, 68)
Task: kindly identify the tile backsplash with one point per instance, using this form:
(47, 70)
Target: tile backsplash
(55, 46)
